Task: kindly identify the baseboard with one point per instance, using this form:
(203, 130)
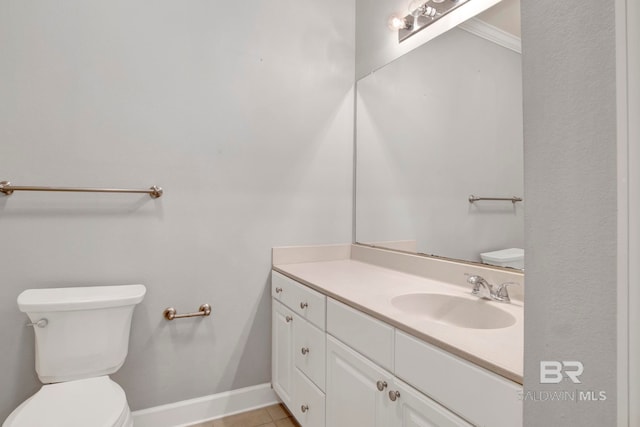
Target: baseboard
(206, 408)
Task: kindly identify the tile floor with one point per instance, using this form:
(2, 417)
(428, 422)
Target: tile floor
(271, 416)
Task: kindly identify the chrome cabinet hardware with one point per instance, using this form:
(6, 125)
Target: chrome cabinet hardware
(278, 290)
(394, 395)
(304, 305)
(8, 189)
(305, 350)
(381, 385)
(170, 313)
(42, 323)
(304, 408)
(288, 319)
(502, 294)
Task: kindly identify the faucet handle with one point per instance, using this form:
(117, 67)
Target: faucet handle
(481, 287)
(502, 294)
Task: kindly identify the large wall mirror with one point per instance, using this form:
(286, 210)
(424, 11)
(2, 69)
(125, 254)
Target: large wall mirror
(438, 124)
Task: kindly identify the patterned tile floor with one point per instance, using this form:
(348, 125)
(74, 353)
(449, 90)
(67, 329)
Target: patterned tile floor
(271, 416)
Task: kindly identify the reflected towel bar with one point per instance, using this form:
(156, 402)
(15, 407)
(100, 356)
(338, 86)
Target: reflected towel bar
(8, 189)
(170, 313)
(513, 199)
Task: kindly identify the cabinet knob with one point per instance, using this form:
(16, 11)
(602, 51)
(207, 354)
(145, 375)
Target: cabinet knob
(278, 290)
(304, 408)
(394, 395)
(305, 350)
(304, 305)
(288, 319)
(381, 385)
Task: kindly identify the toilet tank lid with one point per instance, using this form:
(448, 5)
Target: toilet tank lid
(504, 255)
(79, 298)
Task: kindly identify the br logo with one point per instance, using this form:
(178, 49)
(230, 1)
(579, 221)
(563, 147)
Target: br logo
(552, 371)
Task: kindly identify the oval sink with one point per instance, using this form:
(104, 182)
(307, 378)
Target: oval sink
(455, 311)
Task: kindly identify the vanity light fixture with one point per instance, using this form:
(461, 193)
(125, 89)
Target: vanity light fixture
(422, 13)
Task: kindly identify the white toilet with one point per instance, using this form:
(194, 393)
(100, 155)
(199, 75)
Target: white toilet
(82, 336)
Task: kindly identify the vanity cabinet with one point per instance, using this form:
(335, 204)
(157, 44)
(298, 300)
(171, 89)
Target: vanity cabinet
(414, 409)
(356, 389)
(361, 392)
(298, 345)
(483, 397)
(335, 366)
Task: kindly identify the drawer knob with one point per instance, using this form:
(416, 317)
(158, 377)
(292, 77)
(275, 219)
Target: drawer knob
(304, 408)
(381, 385)
(288, 319)
(305, 350)
(304, 305)
(394, 395)
(278, 290)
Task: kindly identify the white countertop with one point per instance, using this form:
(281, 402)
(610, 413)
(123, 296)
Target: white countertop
(370, 288)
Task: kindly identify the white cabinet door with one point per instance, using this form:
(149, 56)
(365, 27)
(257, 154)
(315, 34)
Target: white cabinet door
(414, 409)
(308, 402)
(282, 352)
(352, 395)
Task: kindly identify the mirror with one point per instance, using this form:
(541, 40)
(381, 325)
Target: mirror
(437, 125)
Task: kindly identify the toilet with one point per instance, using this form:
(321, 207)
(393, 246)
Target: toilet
(82, 336)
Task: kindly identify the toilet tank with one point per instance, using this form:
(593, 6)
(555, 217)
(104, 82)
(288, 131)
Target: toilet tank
(86, 332)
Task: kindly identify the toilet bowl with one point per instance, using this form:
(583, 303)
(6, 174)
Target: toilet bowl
(82, 336)
(95, 402)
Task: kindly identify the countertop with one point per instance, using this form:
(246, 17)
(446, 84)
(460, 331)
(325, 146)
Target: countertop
(370, 288)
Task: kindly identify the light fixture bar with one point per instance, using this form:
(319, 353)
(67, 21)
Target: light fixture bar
(415, 24)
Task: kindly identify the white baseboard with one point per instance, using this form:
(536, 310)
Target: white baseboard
(206, 408)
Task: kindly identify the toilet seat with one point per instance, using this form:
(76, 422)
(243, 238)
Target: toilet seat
(95, 402)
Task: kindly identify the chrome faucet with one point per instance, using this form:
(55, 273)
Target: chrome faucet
(484, 289)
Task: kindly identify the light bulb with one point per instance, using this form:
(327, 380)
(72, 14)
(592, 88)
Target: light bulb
(395, 23)
(437, 1)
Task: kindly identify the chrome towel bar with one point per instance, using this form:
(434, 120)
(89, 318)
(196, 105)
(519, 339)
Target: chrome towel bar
(170, 313)
(8, 189)
(513, 199)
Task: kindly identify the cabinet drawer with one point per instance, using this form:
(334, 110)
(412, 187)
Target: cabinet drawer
(308, 303)
(363, 333)
(309, 349)
(308, 407)
(470, 391)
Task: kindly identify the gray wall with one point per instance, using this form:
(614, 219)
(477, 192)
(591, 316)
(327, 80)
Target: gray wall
(570, 186)
(242, 111)
(440, 123)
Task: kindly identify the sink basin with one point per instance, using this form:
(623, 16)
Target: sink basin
(455, 311)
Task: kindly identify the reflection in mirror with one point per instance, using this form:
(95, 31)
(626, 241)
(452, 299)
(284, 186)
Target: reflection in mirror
(435, 126)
